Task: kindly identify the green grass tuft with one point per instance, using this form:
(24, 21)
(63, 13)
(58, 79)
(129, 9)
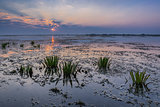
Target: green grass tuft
(139, 86)
(4, 45)
(29, 71)
(22, 45)
(104, 63)
(21, 70)
(38, 46)
(69, 69)
(139, 78)
(32, 43)
(51, 64)
(26, 71)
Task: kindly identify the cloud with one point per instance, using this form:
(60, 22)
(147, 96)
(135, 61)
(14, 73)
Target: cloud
(92, 12)
(80, 15)
(34, 22)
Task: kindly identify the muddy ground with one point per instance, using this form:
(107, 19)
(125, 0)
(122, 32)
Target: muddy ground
(94, 88)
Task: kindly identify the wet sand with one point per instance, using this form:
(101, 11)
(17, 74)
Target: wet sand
(111, 88)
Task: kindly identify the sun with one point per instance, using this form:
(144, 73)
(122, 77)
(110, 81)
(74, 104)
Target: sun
(53, 29)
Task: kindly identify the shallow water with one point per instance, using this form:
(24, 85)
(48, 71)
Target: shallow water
(94, 88)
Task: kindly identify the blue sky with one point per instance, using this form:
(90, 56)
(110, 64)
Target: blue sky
(79, 16)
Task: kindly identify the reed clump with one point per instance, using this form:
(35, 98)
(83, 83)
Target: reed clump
(37, 46)
(21, 45)
(26, 71)
(139, 85)
(4, 45)
(69, 69)
(104, 63)
(51, 64)
(32, 43)
(139, 78)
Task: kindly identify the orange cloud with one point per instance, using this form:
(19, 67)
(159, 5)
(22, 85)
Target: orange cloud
(28, 20)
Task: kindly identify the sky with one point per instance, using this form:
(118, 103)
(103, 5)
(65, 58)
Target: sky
(79, 16)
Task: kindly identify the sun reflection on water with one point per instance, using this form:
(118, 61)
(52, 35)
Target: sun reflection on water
(49, 47)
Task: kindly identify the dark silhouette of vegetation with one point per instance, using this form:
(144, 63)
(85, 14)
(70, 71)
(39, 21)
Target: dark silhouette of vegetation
(26, 71)
(4, 45)
(21, 45)
(32, 43)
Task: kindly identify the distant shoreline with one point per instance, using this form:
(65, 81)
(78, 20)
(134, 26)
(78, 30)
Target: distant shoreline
(157, 35)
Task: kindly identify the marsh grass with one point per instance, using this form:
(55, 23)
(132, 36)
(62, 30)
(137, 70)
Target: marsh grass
(139, 83)
(51, 62)
(37, 46)
(21, 70)
(21, 45)
(139, 78)
(26, 71)
(69, 71)
(32, 43)
(51, 65)
(29, 71)
(104, 63)
(4, 45)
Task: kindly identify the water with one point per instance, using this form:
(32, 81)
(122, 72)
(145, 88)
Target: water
(147, 40)
(94, 89)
